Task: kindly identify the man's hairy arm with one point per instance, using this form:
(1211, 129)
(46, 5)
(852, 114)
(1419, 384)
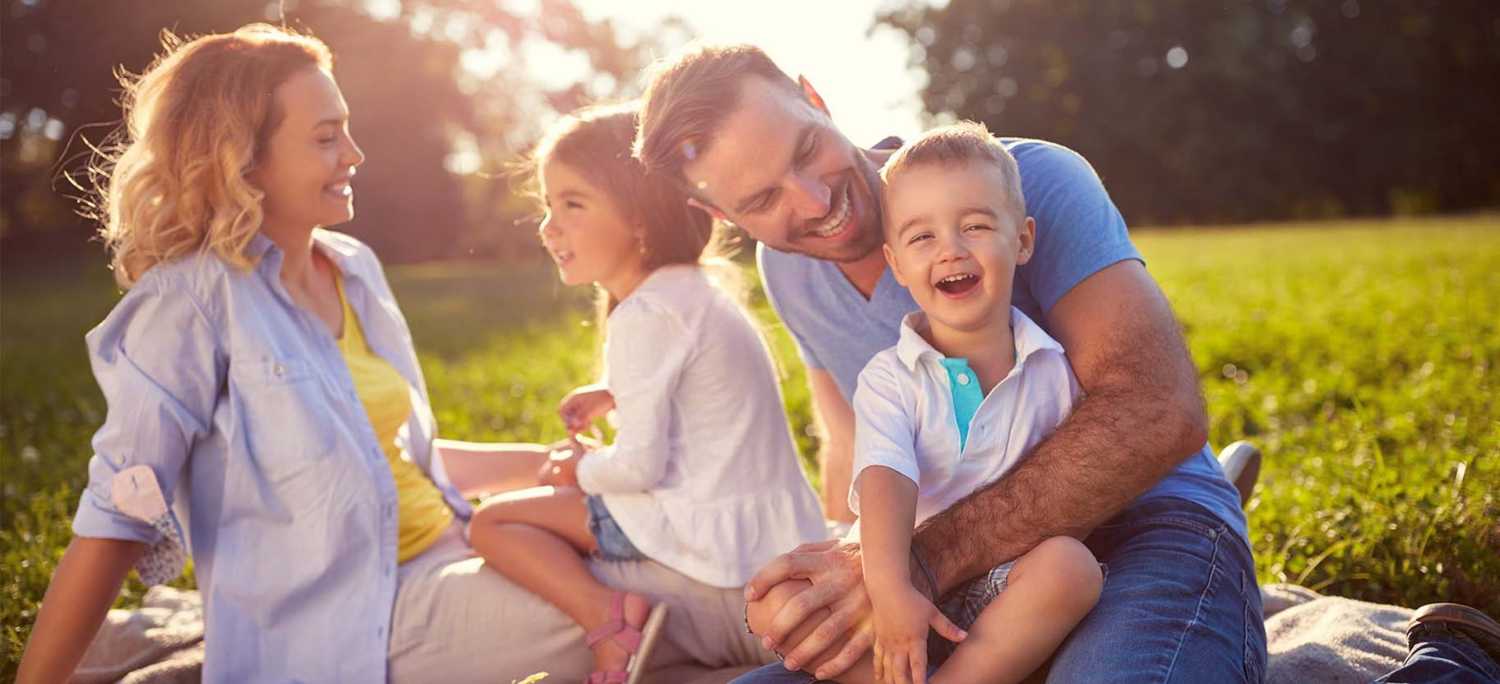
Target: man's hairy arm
(835, 425)
(1141, 416)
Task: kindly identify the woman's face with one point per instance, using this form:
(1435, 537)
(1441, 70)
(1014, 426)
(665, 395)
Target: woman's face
(586, 233)
(306, 167)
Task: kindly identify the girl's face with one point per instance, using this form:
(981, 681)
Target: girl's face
(587, 234)
(307, 165)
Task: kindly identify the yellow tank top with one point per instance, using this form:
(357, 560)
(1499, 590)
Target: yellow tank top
(422, 514)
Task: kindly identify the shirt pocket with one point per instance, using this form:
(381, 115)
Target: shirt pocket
(285, 414)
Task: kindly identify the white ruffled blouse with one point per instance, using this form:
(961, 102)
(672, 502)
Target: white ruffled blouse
(703, 475)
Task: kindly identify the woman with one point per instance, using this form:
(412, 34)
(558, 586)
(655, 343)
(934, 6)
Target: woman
(262, 385)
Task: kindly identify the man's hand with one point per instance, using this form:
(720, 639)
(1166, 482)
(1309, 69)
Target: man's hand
(836, 574)
(902, 618)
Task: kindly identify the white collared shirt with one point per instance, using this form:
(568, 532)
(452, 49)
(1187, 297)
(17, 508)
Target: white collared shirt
(904, 415)
(703, 475)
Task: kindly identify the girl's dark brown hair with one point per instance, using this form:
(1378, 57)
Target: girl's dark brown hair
(596, 142)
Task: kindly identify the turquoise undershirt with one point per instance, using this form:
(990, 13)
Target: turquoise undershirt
(964, 385)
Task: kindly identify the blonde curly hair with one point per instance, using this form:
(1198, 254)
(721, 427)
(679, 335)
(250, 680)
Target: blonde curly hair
(172, 180)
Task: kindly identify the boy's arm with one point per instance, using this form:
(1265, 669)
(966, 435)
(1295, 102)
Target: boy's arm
(888, 514)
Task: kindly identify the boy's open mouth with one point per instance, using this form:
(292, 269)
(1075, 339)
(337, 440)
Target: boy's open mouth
(958, 284)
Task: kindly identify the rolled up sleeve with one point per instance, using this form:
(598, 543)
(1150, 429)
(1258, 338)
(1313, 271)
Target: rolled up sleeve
(157, 362)
(644, 356)
(883, 427)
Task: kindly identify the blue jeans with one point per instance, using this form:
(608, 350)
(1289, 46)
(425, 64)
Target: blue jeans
(1180, 604)
(1439, 655)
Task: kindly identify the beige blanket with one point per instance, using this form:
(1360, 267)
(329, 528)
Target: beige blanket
(1310, 637)
(161, 643)
(1315, 638)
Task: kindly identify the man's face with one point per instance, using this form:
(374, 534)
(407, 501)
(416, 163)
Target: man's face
(778, 169)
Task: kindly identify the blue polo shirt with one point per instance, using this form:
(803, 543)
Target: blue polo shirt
(1078, 233)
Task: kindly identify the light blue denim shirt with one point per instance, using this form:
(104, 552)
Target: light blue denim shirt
(241, 404)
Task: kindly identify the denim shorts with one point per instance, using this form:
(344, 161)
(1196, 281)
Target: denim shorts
(613, 544)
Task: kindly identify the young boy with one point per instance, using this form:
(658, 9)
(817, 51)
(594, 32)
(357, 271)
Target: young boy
(970, 387)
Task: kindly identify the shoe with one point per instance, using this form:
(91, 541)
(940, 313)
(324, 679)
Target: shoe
(1241, 463)
(1471, 622)
(638, 642)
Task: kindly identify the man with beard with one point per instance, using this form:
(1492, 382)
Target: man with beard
(1129, 472)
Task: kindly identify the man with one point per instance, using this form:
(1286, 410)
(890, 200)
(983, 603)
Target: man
(1130, 471)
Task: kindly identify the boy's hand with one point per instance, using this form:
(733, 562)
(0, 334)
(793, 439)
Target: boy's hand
(584, 405)
(902, 618)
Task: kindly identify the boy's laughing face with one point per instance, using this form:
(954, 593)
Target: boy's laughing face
(954, 239)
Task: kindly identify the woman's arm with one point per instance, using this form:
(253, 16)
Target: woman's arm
(478, 468)
(158, 363)
(84, 586)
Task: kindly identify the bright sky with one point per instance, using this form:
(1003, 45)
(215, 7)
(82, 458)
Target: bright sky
(861, 74)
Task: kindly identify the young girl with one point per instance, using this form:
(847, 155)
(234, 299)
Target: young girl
(703, 476)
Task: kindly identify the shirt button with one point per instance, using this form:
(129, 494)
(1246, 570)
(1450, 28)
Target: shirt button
(963, 378)
(279, 370)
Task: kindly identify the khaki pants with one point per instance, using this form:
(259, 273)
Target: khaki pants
(458, 621)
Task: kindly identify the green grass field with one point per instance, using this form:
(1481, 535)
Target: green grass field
(1361, 356)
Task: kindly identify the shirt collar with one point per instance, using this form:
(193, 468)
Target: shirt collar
(911, 347)
(340, 252)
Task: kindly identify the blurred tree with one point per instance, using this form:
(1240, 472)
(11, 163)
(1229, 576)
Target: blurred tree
(1234, 110)
(440, 91)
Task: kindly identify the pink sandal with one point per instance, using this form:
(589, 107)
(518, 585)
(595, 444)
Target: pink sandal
(637, 642)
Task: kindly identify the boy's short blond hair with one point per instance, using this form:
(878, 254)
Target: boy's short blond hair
(965, 141)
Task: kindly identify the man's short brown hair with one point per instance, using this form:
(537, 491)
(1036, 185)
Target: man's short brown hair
(688, 96)
(965, 141)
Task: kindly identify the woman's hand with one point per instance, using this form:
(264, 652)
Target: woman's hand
(902, 618)
(584, 405)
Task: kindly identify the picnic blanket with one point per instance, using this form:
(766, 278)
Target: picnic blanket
(1316, 638)
(1310, 638)
(160, 643)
